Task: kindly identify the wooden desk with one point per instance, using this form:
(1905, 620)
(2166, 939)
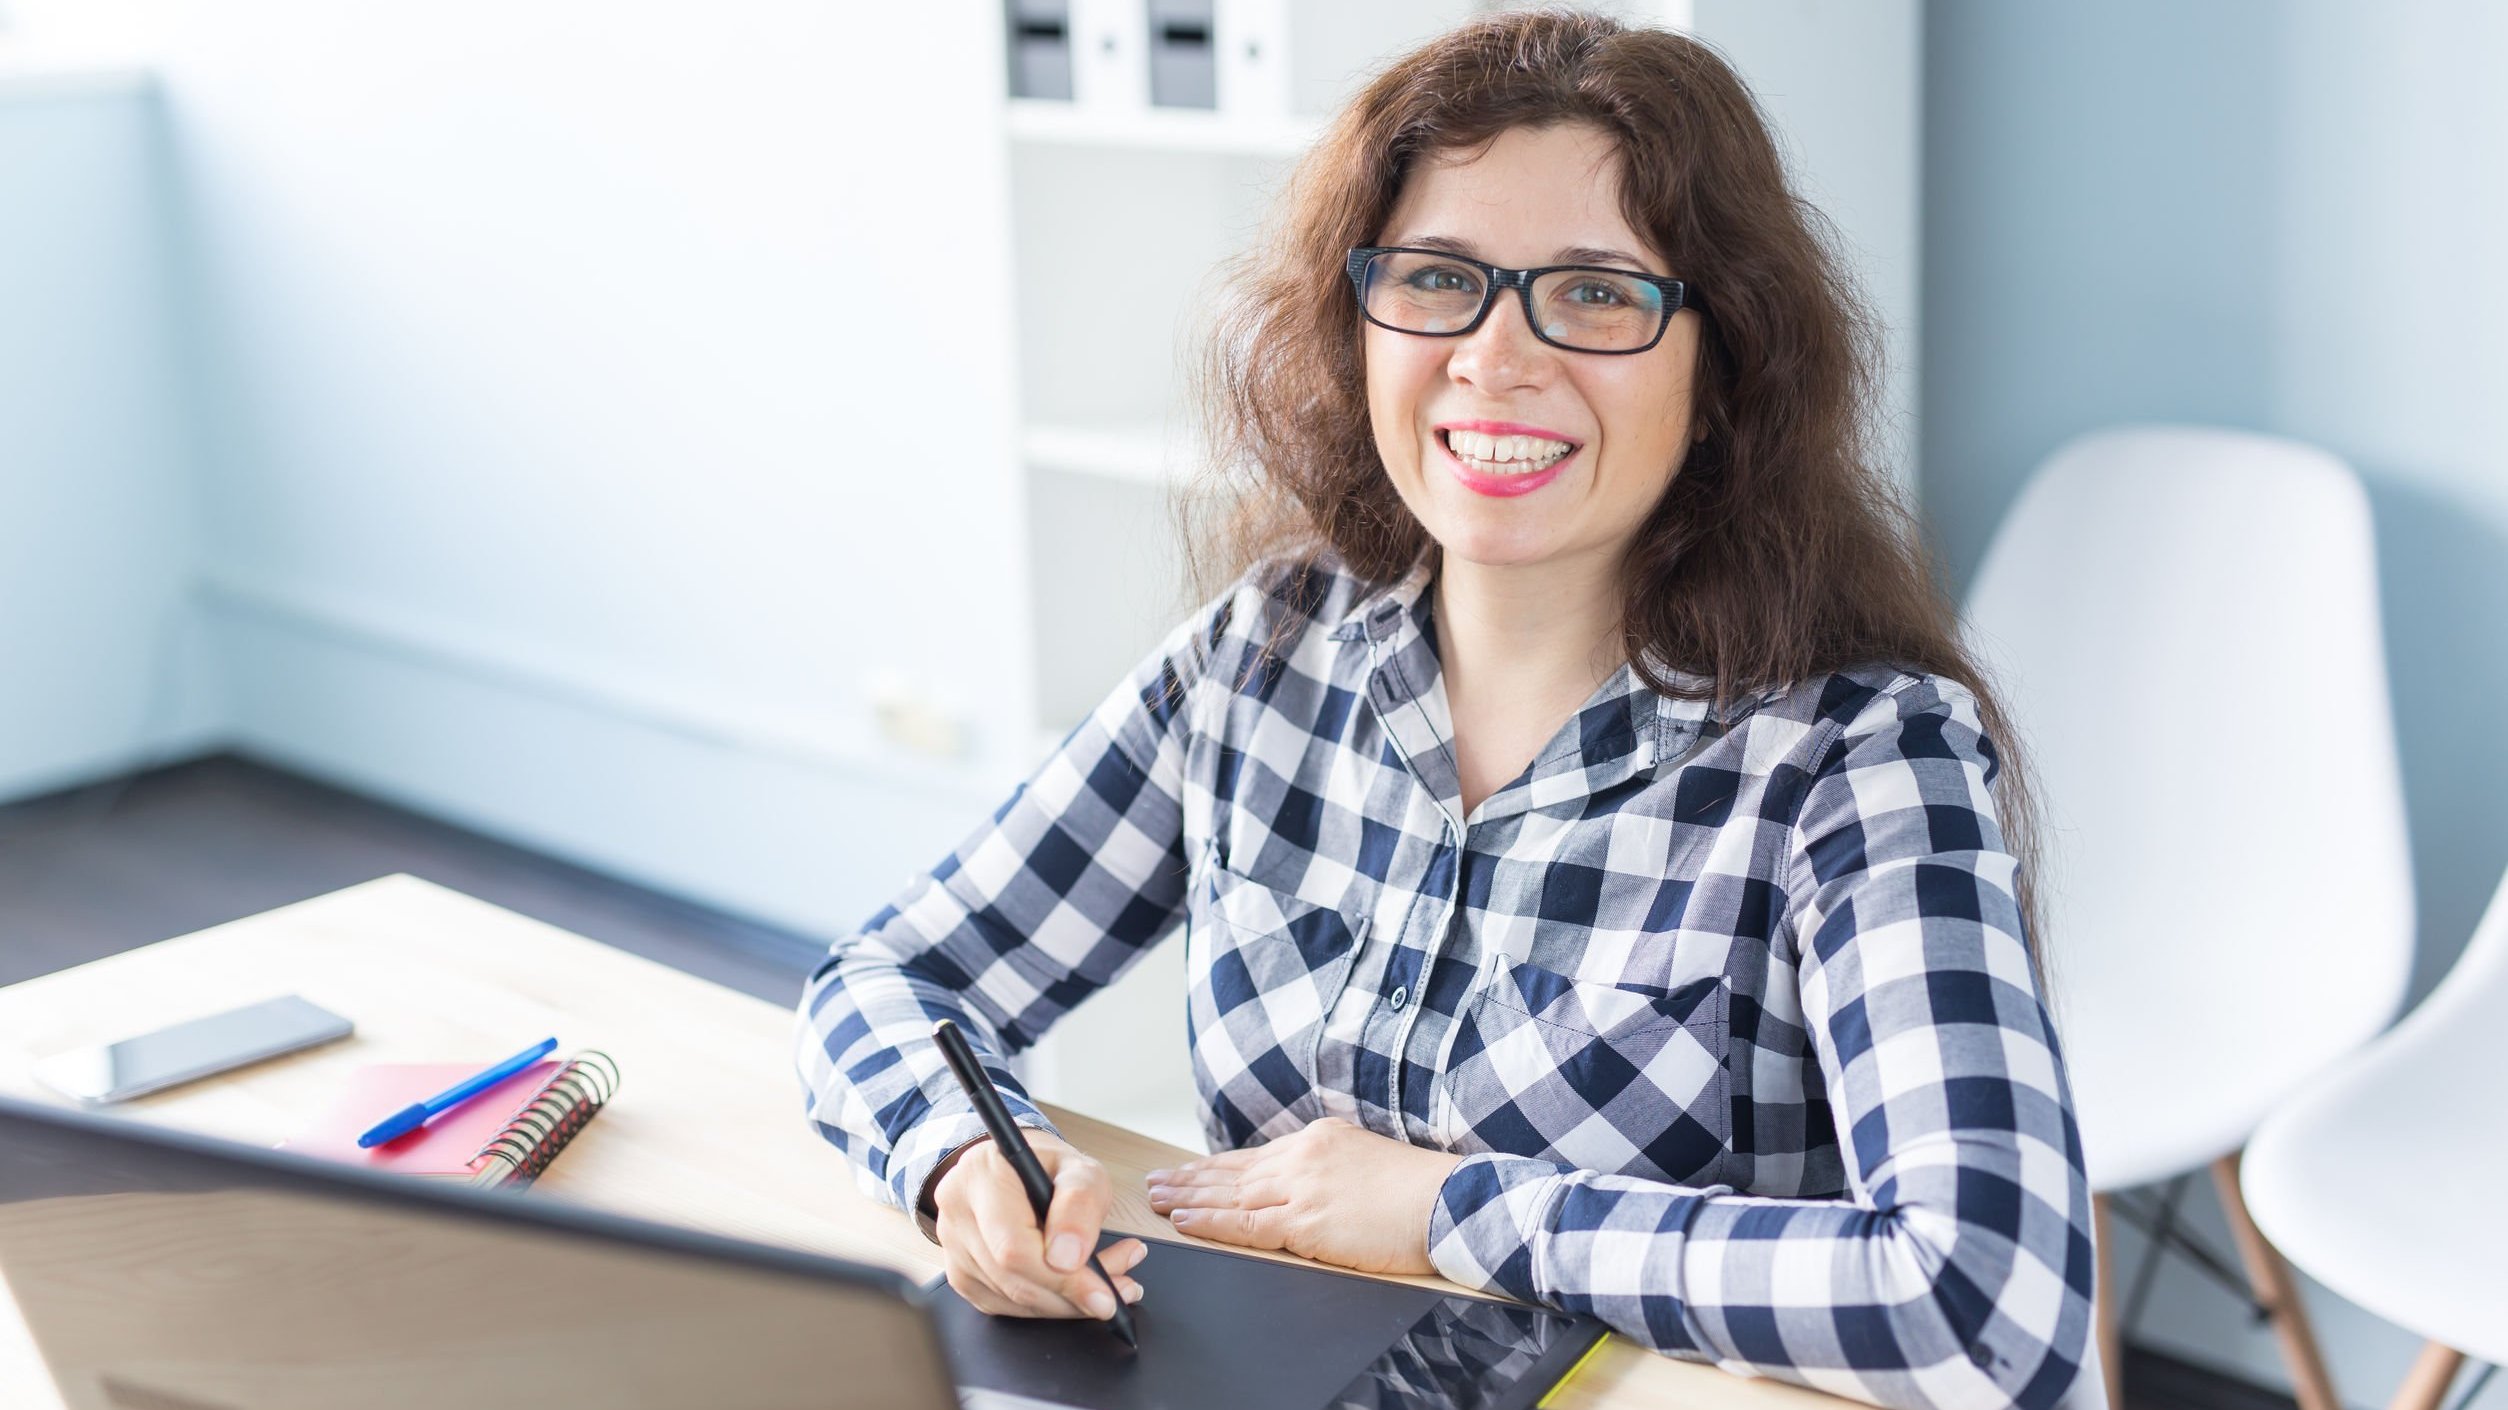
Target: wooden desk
(708, 1130)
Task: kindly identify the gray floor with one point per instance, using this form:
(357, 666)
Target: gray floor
(103, 869)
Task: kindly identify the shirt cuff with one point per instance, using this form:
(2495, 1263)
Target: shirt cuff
(1485, 1229)
(934, 1140)
(1552, 1234)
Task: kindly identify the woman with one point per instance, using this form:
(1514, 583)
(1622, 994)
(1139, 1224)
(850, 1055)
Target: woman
(1582, 809)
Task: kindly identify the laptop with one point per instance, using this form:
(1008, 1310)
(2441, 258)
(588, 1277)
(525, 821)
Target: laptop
(162, 1270)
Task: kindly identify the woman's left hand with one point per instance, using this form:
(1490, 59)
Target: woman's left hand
(1333, 1192)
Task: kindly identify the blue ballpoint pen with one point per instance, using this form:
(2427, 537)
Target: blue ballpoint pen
(410, 1118)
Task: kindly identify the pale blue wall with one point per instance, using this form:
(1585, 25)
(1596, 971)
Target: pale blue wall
(577, 447)
(2285, 215)
(543, 477)
(99, 654)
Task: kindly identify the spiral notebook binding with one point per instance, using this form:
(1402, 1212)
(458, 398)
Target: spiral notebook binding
(551, 1120)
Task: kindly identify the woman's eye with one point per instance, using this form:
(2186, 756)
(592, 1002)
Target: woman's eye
(1596, 294)
(1445, 280)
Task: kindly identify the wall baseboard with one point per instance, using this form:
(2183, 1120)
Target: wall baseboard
(806, 834)
(102, 768)
(694, 712)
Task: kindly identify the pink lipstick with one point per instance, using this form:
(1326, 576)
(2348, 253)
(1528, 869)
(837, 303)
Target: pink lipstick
(1503, 486)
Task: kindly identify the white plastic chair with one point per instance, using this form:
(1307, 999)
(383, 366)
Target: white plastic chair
(2382, 1179)
(2184, 625)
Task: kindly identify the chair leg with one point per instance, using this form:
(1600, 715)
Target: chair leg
(2278, 1291)
(2425, 1385)
(2111, 1337)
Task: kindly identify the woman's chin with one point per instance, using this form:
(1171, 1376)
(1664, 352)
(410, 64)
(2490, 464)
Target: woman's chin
(1470, 539)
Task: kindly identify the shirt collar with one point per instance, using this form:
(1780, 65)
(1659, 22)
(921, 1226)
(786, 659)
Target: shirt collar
(1624, 729)
(1383, 606)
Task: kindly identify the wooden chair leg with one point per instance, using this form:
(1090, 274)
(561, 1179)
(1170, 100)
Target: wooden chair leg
(2425, 1385)
(2278, 1291)
(2111, 1337)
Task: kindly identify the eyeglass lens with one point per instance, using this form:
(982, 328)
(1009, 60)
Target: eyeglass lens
(1579, 308)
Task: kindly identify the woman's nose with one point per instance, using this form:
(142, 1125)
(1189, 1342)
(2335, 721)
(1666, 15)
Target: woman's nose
(1502, 352)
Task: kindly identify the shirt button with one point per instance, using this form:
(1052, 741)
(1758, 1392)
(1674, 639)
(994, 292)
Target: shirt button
(1401, 996)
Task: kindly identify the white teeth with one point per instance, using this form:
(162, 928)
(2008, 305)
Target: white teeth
(1504, 455)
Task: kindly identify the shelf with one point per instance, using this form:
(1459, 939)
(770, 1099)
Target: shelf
(1139, 454)
(1044, 120)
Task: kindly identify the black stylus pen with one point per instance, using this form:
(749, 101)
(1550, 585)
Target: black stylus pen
(1014, 1148)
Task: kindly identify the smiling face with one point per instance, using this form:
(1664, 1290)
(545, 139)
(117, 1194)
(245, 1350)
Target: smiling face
(1472, 429)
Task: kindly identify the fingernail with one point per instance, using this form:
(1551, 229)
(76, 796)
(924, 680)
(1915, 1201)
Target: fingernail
(1132, 1293)
(1065, 1254)
(1160, 1192)
(1181, 1216)
(1101, 1304)
(1157, 1177)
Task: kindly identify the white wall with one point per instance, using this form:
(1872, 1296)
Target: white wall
(598, 401)
(100, 669)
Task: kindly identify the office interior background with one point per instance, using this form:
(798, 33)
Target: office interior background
(723, 448)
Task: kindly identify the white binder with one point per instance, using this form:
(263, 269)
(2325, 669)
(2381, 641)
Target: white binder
(1110, 56)
(1253, 60)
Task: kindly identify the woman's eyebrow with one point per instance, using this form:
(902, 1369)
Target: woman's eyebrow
(1572, 254)
(1588, 254)
(1446, 243)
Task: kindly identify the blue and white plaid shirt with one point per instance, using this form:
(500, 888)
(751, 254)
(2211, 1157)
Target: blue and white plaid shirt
(1731, 1014)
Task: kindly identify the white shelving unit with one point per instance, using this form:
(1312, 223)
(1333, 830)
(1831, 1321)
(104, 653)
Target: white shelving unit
(1119, 249)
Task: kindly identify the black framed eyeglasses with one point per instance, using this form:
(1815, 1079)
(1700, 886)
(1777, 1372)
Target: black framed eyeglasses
(1579, 307)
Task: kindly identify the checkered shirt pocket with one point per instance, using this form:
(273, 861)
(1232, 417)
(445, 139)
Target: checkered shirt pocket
(1605, 1076)
(1266, 969)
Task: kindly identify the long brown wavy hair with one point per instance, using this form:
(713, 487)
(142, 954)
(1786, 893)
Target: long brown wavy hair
(1780, 552)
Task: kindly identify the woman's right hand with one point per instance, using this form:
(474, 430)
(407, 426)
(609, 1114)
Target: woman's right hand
(1001, 1262)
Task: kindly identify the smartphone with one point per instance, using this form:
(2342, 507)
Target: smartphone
(185, 1052)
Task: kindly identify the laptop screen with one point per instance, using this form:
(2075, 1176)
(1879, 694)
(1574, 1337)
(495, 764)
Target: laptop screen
(167, 1272)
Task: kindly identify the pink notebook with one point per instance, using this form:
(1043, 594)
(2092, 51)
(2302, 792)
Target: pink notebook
(504, 1136)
